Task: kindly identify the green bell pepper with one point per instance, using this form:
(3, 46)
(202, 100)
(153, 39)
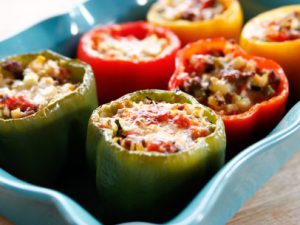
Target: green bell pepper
(36, 147)
(141, 184)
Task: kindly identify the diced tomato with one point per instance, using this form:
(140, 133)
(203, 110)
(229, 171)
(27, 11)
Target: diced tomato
(153, 147)
(130, 132)
(278, 37)
(207, 4)
(182, 121)
(160, 146)
(102, 125)
(19, 102)
(127, 143)
(199, 132)
(163, 117)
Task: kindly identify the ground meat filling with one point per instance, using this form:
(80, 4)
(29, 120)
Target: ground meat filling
(191, 10)
(286, 28)
(25, 90)
(157, 126)
(229, 85)
(130, 47)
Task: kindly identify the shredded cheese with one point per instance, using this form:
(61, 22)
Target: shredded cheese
(130, 47)
(157, 126)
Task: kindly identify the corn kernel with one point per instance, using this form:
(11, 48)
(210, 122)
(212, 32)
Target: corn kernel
(16, 113)
(30, 79)
(260, 81)
(37, 63)
(238, 63)
(244, 104)
(220, 85)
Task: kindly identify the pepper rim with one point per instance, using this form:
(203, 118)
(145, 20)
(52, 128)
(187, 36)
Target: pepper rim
(219, 132)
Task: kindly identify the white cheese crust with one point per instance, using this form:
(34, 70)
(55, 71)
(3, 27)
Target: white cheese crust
(157, 126)
(130, 47)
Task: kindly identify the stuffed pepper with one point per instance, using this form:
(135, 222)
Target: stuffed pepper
(148, 146)
(129, 57)
(250, 93)
(195, 19)
(45, 103)
(276, 35)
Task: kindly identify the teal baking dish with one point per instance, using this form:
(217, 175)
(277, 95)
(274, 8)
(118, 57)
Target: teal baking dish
(215, 203)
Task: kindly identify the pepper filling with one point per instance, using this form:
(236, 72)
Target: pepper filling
(191, 10)
(229, 85)
(157, 126)
(286, 28)
(130, 47)
(25, 90)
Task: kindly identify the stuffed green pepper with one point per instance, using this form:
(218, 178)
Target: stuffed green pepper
(45, 102)
(150, 148)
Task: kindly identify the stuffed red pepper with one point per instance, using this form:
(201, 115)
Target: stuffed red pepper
(249, 92)
(129, 57)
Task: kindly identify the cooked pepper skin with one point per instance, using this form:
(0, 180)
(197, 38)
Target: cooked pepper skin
(261, 117)
(228, 24)
(116, 77)
(35, 148)
(144, 184)
(286, 53)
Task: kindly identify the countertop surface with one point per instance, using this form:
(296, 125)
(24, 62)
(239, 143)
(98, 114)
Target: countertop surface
(278, 202)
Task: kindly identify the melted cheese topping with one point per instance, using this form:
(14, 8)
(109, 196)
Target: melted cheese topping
(284, 28)
(229, 85)
(24, 91)
(157, 126)
(192, 10)
(130, 47)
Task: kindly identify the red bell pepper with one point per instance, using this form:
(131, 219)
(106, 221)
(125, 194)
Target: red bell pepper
(241, 127)
(117, 76)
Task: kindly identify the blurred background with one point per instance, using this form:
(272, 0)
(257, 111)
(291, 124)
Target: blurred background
(17, 15)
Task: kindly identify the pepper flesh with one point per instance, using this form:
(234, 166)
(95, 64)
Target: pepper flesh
(36, 147)
(242, 127)
(228, 23)
(118, 76)
(136, 182)
(286, 53)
